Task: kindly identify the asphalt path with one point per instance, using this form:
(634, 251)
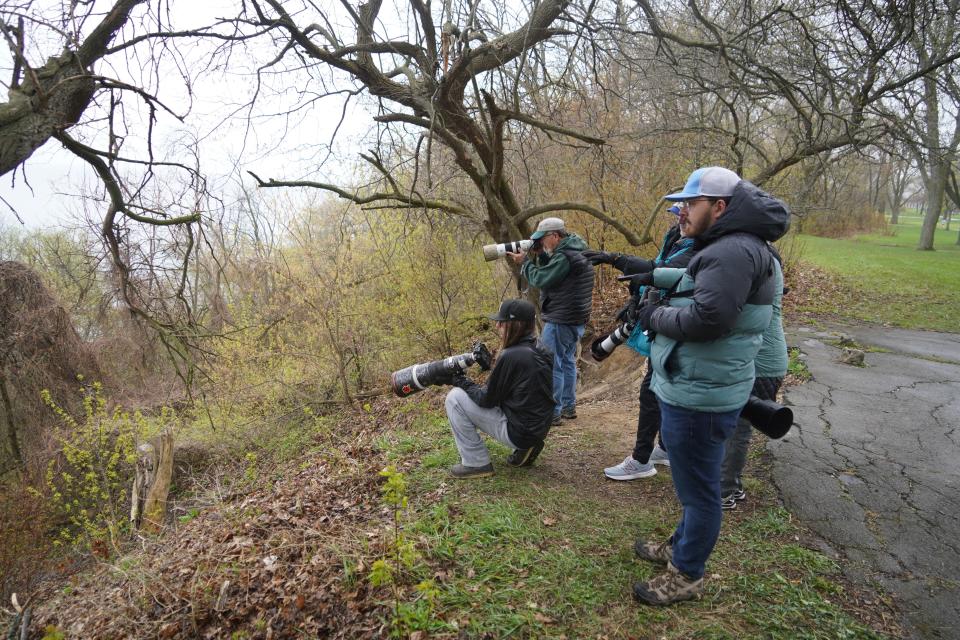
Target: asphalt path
(873, 465)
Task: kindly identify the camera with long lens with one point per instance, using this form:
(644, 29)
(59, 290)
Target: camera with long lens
(767, 416)
(418, 377)
(602, 347)
(494, 251)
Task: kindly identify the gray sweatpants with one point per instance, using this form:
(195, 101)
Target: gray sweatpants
(468, 419)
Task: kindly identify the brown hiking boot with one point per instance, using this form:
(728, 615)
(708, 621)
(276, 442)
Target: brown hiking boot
(667, 588)
(653, 552)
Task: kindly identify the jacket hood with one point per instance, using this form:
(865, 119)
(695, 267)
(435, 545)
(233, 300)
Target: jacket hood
(572, 241)
(751, 210)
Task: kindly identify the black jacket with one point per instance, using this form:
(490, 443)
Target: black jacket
(521, 384)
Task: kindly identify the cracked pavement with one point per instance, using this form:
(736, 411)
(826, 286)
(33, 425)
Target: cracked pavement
(872, 465)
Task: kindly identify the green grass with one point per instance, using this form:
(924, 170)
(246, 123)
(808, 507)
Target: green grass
(526, 554)
(888, 281)
(796, 366)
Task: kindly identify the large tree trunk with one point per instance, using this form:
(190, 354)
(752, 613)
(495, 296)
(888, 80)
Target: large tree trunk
(935, 175)
(935, 182)
(33, 114)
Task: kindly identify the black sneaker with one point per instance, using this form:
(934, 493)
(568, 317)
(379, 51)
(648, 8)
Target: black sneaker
(569, 414)
(729, 501)
(557, 420)
(524, 457)
(463, 472)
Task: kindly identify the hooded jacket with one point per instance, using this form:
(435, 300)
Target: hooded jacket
(709, 332)
(565, 280)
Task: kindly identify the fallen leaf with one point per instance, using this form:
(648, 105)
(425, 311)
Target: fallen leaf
(549, 522)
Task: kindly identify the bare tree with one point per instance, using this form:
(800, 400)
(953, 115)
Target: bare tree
(927, 116)
(89, 75)
(455, 79)
(771, 84)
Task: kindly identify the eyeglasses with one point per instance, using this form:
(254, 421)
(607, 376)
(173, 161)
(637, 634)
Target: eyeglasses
(686, 203)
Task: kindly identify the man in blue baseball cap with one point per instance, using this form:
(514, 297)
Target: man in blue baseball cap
(707, 334)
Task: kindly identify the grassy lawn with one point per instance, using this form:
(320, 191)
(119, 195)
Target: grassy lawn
(529, 553)
(886, 280)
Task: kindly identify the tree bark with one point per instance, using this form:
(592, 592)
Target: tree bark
(152, 483)
(935, 187)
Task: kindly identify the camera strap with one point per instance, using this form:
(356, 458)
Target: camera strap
(673, 293)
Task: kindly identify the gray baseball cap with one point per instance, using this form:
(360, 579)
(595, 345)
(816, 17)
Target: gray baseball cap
(546, 226)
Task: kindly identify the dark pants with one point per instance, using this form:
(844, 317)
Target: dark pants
(696, 442)
(648, 423)
(735, 455)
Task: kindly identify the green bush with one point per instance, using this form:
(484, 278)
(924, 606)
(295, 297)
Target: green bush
(87, 481)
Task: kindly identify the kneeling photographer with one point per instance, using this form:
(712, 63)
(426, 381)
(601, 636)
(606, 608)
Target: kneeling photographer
(515, 407)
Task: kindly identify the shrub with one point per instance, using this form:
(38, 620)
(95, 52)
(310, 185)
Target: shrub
(87, 481)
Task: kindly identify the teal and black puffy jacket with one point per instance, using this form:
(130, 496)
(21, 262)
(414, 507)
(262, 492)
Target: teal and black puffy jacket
(710, 331)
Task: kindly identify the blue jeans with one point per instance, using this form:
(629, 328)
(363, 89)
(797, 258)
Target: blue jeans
(562, 340)
(695, 444)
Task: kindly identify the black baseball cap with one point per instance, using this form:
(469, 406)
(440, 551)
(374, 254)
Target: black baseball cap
(515, 309)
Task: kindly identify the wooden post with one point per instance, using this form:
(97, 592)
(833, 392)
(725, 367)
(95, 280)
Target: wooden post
(151, 485)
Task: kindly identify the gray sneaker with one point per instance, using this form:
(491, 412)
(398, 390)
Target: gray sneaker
(630, 469)
(659, 456)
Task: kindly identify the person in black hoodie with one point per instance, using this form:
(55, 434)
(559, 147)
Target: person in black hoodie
(675, 251)
(515, 407)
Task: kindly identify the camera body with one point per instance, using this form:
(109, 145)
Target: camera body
(494, 251)
(603, 346)
(417, 377)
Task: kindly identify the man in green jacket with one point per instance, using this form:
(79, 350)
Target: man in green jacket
(557, 267)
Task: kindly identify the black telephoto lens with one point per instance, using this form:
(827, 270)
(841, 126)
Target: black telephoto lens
(771, 418)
